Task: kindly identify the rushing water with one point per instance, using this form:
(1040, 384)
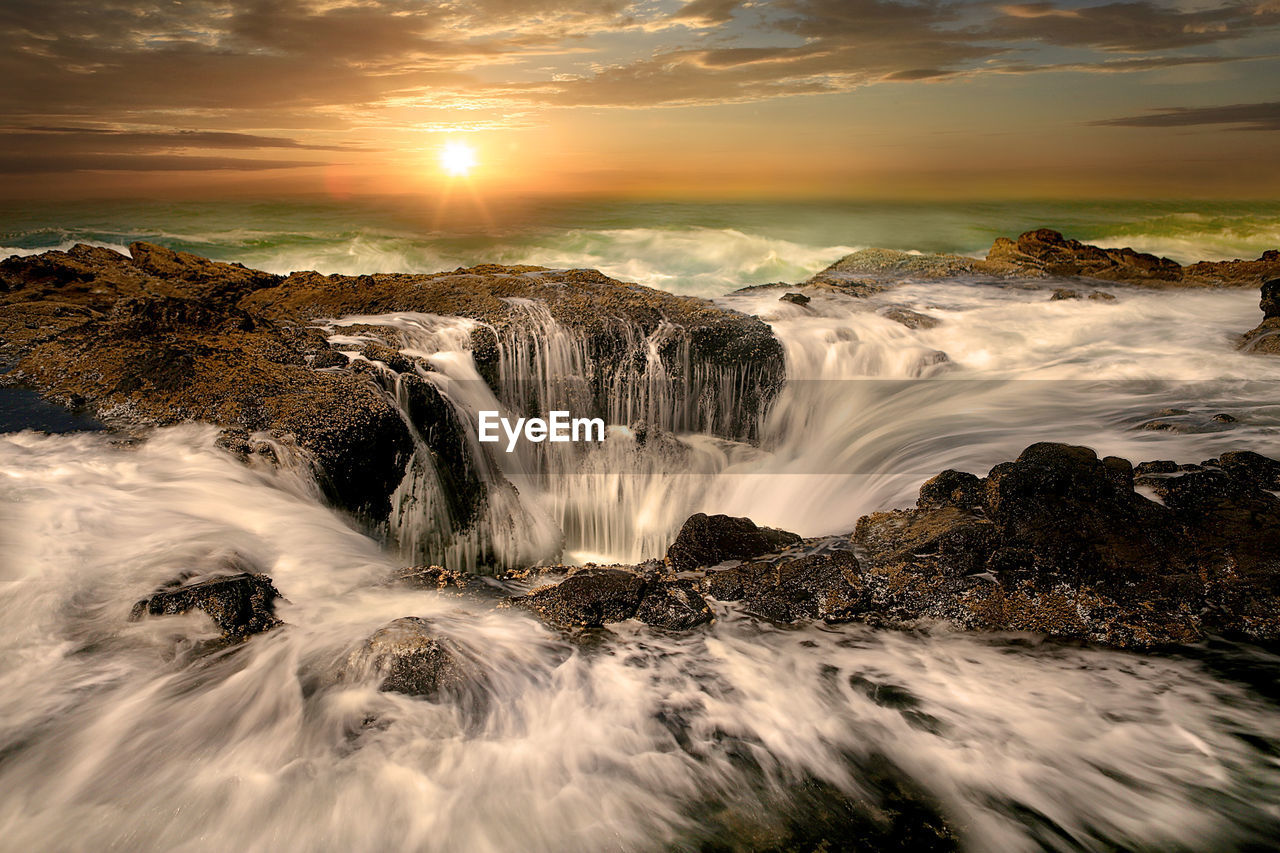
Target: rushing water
(118, 736)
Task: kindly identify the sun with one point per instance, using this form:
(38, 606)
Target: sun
(457, 159)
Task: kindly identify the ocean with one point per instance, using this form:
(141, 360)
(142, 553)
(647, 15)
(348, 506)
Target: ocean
(701, 248)
(740, 735)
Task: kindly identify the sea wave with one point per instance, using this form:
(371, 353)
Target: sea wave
(1188, 237)
(699, 261)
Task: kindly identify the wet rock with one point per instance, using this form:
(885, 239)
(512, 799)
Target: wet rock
(392, 358)
(240, 605)
(951, 488)
(910, 319)
(1183, 422)
(166, 337)
(1160, 466)
(1060, 543)
(1270, 301)
(438, 578)
(1261, 471)
(707, 540)
(816, 586)
(955, 540)
(794, 298)
(1064, 293)
(406, 656)
(588, 599)
(1265, 338)
(1045, 253)
(674, 604)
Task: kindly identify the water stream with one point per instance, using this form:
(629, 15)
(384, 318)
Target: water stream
(116, 736)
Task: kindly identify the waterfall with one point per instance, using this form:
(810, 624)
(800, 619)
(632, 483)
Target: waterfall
(621, 500)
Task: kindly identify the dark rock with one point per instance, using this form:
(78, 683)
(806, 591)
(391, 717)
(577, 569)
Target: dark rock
(1064, 293)
(1160, 466)
(708, 540)
(1224, 418)
(240, 605)
(817, 586)
(1261, 471)
(1265, 338)
(674, 604)
(1270, 302)
(956, 541)
(951, 488)
(1060, 543)
(588, 599)
(794, 298)
(407, 657)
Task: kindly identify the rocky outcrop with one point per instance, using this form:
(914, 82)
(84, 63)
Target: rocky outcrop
(1265, 337)
(706, 540)
(240, 605)
(1041, 254)
(1057, 542)
(163, 337)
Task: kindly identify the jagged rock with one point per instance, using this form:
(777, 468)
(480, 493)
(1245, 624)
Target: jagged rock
(674, 604)
(407, 657)
(240, 605)
(794, 298)
(1045, 253)
(1060, 543)
(1250, 467)
(1048, 250)
(588, 599)
(951, 488)
(1064, 293)
(707, 540)
(815, 586)
(1270, 301)
(167, 337)
(1265, 338)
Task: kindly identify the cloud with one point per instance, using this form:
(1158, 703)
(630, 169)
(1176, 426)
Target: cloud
(104, 139)
(1128, 26)
(84, 75)
(707, 13)
(1264, 116)
(24, 164)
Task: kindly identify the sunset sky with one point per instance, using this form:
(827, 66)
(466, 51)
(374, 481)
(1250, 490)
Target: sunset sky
(709, 98)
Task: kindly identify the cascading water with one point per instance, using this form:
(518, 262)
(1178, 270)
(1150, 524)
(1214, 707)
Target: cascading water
(620, 501)
(116, 735)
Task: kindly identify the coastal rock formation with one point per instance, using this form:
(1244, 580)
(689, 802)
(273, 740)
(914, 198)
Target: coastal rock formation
(1265, 337)
(240, 605)
(1057, 542)
(165, 337)
(1040, 254)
